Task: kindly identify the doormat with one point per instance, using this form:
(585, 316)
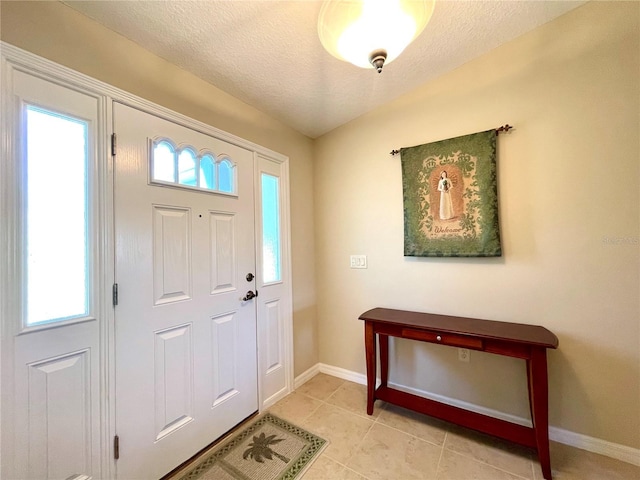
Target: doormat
(268, 449)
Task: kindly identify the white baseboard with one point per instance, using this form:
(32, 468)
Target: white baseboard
(307, 375)
(577, 440)
(275, 398)
(354, 377)
(596, 445)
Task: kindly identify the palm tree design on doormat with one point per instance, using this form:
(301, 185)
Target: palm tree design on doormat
(260, 447)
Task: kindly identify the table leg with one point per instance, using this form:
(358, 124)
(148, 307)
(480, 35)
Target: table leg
(384, 359)
(370, 352)
(539, 402)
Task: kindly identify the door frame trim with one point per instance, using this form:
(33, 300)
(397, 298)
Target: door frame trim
(14, 57)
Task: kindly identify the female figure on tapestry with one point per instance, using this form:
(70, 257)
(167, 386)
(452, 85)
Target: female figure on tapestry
(444, 187)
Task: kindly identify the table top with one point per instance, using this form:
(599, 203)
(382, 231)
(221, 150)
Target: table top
(473, 327)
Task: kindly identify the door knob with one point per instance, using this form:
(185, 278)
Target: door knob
(249, 296)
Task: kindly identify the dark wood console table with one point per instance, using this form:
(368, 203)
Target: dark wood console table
(529, 342)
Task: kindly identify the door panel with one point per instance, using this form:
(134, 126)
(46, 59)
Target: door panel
(173, 379)
(223, 355)
(51, 361)
(186, 366)
(171, 254)
(223, 256)
(58, 393)
(274, 329)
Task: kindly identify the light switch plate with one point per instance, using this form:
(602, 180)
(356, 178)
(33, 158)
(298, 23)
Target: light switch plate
(358, 261)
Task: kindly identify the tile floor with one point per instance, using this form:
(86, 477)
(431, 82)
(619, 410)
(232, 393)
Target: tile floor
(396, 444)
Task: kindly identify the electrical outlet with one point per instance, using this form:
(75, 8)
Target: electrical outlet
(464, 355)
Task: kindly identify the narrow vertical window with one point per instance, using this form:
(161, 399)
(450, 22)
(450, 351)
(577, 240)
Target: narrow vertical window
(270, 228)
(164, 162)
(187, 172)
(207, 172)
(57, 217)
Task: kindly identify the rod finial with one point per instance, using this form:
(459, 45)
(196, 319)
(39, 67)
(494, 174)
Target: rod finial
(503, 128)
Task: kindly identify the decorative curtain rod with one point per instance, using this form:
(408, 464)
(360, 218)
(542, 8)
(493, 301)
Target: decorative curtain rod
(503, 128)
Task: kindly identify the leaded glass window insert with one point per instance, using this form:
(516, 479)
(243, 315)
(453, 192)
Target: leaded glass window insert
(186, 167)
(226, 176)
(187, 172)
(208, 172)
(164, 165)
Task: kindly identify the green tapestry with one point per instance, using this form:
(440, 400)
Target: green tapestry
(451, 198)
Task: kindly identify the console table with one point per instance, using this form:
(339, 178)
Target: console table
(529, 342)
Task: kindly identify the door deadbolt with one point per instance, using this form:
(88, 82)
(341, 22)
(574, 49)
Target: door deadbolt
(249, 277)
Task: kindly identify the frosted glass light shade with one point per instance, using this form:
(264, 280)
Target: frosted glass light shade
(354, 30)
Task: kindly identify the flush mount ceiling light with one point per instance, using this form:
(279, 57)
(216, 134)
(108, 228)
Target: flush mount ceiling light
(371, 33)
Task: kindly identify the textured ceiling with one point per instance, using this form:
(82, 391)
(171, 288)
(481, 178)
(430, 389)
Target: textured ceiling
(267, 52)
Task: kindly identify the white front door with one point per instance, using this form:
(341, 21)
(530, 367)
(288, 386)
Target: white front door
(186, 367)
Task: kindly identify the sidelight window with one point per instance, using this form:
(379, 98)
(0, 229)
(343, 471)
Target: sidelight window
(271, 251)
(57, 216)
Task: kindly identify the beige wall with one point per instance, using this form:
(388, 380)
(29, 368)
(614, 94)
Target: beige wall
(568, 179)
(55, 31)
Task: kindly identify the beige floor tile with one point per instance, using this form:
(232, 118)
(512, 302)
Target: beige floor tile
(295, 407)
(388, 454)
(458, 467)
(216, 473)
(326, 469)
(486, 449)
(343, 429)
(401, 445)
(569, 463)
(422, 426)
(321, 386)
(351, 475)
(353, 397)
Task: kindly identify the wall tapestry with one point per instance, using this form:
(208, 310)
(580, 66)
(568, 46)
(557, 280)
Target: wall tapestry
(451, 198)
